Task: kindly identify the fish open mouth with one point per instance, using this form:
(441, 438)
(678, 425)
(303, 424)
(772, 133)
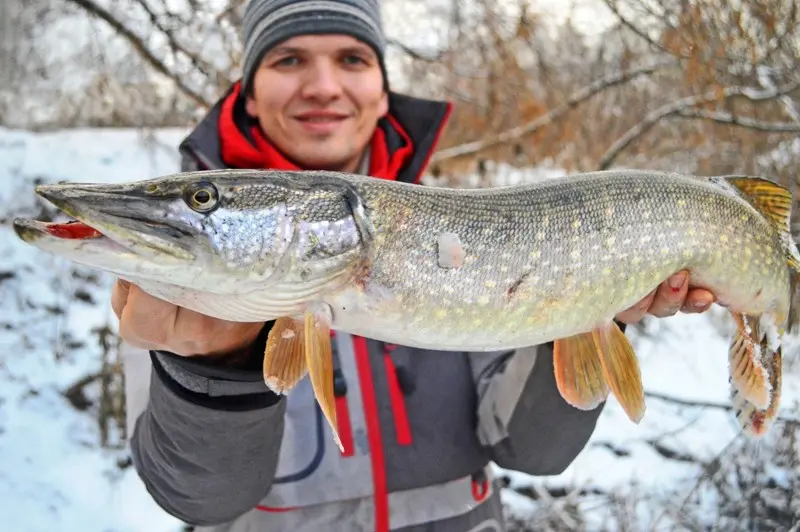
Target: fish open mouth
(71, 230)
(101, 220)
(64, 235)
(29, 230)
(81, 243)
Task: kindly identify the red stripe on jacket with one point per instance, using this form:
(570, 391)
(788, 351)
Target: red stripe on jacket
(373, 434)
(402, 427)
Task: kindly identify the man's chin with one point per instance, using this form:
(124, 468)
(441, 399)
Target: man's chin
(312, 159)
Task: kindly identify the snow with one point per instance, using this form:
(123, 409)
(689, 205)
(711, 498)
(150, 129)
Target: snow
(53, 471)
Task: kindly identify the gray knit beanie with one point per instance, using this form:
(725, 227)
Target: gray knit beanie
(270, 22)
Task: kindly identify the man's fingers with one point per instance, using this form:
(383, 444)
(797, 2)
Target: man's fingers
(128, 333)
(119, 296)
(148, 322)
(147, 318)
(697, 300)
(670, 295)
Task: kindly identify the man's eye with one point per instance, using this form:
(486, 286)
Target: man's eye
(354, 60)
(287, 61)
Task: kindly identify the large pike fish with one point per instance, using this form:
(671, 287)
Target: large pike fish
(450, 269)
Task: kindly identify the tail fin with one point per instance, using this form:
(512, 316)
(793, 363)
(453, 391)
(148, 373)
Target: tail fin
(756, 422)
(748, 375)
(774, 202)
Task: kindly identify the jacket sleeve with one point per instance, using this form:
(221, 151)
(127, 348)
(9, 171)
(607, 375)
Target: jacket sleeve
(206, 445)
(522, 419)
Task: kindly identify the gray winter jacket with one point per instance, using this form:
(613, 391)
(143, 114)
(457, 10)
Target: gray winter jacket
(217, 449)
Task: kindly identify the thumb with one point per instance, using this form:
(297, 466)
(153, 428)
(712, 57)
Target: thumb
(119, 296)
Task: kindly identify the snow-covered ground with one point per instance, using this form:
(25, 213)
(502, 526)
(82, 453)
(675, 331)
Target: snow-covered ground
(53, 475)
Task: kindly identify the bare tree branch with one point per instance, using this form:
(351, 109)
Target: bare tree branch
(576, 98)
(654, 117)
(413, 53)
(742, 121)
(98, 11)
(230, 13)
(197, 62)
(612, 5)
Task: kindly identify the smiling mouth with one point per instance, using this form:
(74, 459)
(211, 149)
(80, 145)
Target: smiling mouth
(322, 118)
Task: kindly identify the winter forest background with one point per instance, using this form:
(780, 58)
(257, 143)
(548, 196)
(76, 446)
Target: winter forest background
(103, 90)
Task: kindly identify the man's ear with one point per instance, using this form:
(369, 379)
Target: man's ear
(384, 107)
(250, 106)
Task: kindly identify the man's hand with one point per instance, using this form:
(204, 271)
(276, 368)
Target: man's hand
(151, 323)
(671, 296)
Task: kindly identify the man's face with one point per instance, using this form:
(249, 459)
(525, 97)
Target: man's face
(318, 99)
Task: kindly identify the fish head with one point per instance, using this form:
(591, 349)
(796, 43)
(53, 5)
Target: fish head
(217, 231)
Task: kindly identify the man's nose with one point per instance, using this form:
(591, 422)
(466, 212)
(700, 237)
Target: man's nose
(322, 81)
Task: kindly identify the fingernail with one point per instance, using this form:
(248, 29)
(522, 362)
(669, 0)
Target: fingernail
(676, 281)
(699, 305)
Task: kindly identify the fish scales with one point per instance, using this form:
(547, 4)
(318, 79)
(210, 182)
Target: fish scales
(550, 259)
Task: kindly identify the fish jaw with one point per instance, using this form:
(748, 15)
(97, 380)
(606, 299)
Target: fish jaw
(111, 230)
(98, 252)
(123, 215)
(150, 230)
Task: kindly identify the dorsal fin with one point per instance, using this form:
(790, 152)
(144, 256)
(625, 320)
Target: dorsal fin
(772, 200)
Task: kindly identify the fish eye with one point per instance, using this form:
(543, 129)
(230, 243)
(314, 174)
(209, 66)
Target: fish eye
(202, 197)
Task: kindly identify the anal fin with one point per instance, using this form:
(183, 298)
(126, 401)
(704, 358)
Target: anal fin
(319, 360)
(284, 356)
(578, 371)
(747, 373)
(621, 369)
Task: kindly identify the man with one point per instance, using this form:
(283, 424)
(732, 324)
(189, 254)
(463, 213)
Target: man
(217, 449)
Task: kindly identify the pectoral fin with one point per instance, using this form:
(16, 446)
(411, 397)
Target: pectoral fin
(747, 373)
(284, 356)
(621, 369)
(319, 361)
(578, 371)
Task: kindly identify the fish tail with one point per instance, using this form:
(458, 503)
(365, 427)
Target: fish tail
(754, 421)
(755, 339)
